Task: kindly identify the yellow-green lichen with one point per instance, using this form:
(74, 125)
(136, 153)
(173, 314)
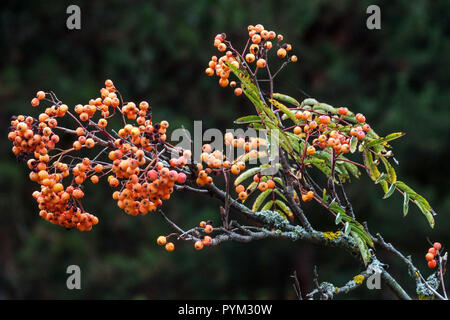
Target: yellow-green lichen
(331, 235)
(358, 279)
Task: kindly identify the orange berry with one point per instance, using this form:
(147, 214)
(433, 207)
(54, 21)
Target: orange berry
(209, 228)
(235, 169)
(102, 123)
(270, 184)
(261, 63)
(360, 118)
(202, 224)
(432, 251)
(40, 95)
(84, 116)
(90, 143)
(170, 246)
(250, 57)
(324, 119)
(243, 195)
(429, 256)
(240, 188)
(79, 131)
(161, 240)
(437, 246)
(207, 241)
(366, 127)
(281, 53)
(311, 150)
(256, 38)
(297, 130)
(238, 91)
(35, 102)
(198, 245)
(360, 135)
(94, 179)
(222, 47)
(262, 186)
(223, 82)
(343, 111)
(294, 58)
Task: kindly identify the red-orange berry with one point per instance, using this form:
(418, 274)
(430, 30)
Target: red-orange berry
(207, 241)
(432, 264)
(360, 118)
(343, 111)
(429, 256)
(35, 102)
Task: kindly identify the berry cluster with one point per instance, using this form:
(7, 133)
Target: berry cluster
(205, 240)
(33, 138)
(317, 126)
(144, 193)
(145, 181)
(216, 161)
(433, 252)
(258, 46)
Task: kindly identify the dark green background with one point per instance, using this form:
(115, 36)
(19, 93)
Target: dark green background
(396, 76)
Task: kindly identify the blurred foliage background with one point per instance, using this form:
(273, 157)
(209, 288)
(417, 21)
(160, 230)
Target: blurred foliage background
(157, 50)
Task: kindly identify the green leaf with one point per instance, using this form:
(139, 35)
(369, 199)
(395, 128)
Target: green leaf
(246, 174)
(389, 170)
(390, 191)
(405, 203)
(325, 107)
(248, 119)
(280, 194)
(428, 214)
(338, 218)
(284, 109)
(363, 249)
(267, 206)
(381, 178)
(359, 229)
(285, 98)
(324, 195)
(337, 208)
(353, 144)
(371, 167)
(347, 228)
(260, 199)
(278, 180)
(384, 140)
(310, 101)
(419, 201)
(353, 169)
(284, 207)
